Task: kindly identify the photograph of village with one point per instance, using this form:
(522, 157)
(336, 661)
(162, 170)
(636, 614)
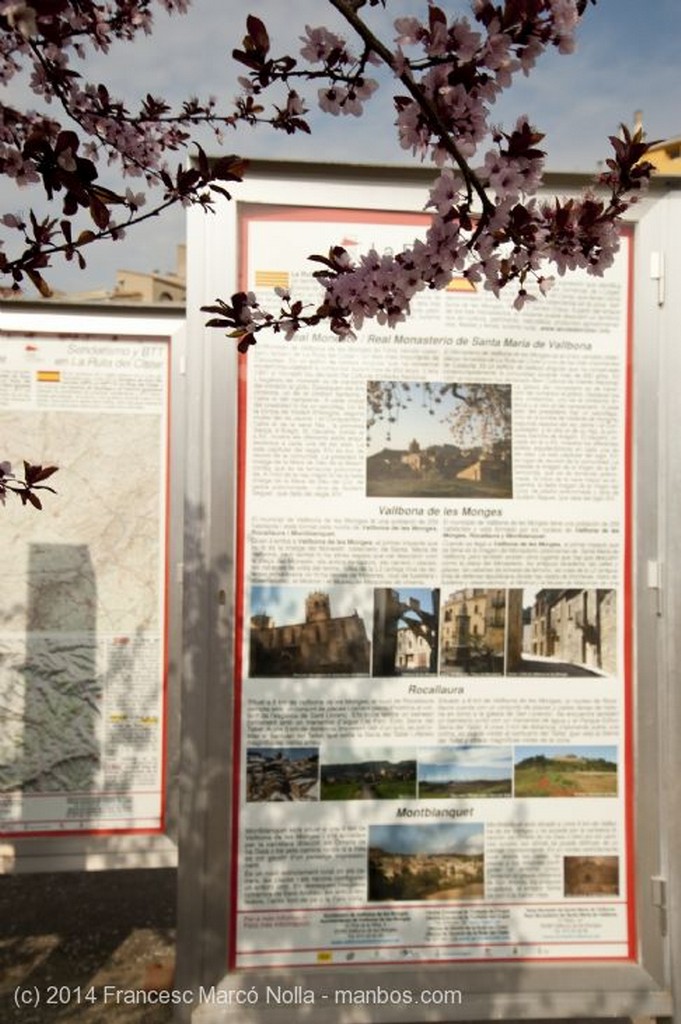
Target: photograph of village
(591, 876)
(460, 772)
(438, 440)
(426, 862)
(565, 771)
(282, 773)
(562, 632)
(349, 772)
(300, 631)
(473, 632)
(405, 631)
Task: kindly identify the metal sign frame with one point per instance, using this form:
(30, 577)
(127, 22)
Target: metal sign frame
(98, 850)
(490, 990)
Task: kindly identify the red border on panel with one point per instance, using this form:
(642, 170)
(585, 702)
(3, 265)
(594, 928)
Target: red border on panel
(629, 775)
(250, 213)
(55, 833)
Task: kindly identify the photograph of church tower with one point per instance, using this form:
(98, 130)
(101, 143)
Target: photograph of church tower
(296, 632)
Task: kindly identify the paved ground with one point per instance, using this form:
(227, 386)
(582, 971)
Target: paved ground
(69, 934)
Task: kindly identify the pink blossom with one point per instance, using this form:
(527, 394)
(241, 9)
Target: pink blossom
(503, 175)
(466, 41)
(445, 192)
(319, 44)
(353, 104)
(294, 104)
(564, 15)
(409, 31)
(412, 131)
(22, 17)
(330, 100)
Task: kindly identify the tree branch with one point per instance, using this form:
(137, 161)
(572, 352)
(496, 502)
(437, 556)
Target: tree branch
(348, 11)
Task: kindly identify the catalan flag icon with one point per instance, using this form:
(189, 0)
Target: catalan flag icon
(48, 376)
(460, 284)
(272, 279)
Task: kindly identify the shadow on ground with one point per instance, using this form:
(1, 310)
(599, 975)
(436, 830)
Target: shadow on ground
(68, 935)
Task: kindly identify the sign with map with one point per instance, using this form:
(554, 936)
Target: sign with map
(82, 606)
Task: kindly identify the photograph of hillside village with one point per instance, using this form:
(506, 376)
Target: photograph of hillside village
(438, 440)
(426, 862)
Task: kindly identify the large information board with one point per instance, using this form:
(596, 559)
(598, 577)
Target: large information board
(433, 663)
(83, 607)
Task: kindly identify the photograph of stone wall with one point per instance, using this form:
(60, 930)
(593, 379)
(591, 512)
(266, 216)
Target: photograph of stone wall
(281, 774)
(591, 876)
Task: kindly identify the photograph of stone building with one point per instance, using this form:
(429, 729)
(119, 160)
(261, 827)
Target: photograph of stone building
(438, 440)
(591, 876)
(473, 632)
(300, 632)
(562, 632)
(405, 631)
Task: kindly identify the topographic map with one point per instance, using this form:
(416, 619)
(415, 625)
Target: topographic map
(81, 576)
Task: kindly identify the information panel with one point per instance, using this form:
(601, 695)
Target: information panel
(433, 666)
(82, 609)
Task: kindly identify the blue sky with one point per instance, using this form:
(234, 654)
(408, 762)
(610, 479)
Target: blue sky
(442, 764)
(286, 605)
(627, 59)
(419, 419)
(459, 838)
(423, 595)
(594, 753)
(351, 753)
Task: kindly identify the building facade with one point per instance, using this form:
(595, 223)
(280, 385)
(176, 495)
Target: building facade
(473, 631)
(321, 645)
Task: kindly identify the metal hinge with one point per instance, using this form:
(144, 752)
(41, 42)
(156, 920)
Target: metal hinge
(659, 891)
(654, 582)
(657, 274)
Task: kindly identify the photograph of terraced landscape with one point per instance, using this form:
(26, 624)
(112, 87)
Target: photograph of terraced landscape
(565, 771)
(465, 772)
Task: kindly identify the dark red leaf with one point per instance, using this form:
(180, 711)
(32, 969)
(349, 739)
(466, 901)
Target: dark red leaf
(99, 213)
(258, 33)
